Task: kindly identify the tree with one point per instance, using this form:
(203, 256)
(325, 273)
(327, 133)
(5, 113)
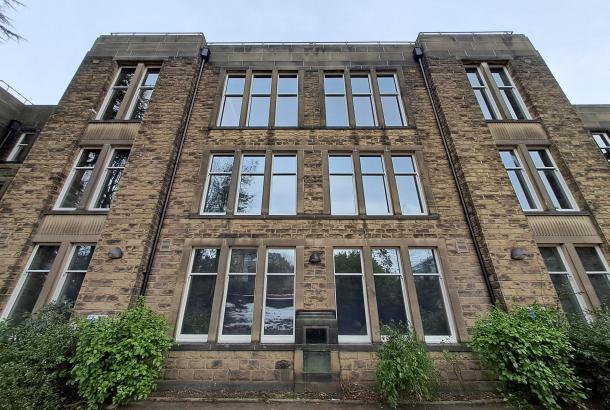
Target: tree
(6, 23)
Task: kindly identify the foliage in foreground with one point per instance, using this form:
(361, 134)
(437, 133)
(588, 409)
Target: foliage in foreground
(529, 350)
(119, 358)
(35, 356)
(405, 371)
(591, 342)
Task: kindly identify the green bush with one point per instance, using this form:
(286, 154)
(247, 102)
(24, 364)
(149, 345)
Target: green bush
(404, 371)
(591, 342)
(529, 350)
(34, 359)
(119, 358)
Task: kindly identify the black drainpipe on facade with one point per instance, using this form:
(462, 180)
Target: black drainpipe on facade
(205, 56)
(418, 53)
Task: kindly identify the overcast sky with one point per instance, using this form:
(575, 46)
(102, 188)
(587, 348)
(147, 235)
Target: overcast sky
(572, 36)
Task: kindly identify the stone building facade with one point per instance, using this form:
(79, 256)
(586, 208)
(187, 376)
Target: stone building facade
(280, 204)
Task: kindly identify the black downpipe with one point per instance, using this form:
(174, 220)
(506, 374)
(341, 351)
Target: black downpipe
(205, 56)
(418, 53)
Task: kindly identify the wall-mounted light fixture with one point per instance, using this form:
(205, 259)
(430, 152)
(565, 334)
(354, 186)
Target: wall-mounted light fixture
(519, 254)
(315, 257)
(115, 253)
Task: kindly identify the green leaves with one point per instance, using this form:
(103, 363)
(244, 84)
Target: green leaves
(529, 350)
(120, 358)
(404, 370)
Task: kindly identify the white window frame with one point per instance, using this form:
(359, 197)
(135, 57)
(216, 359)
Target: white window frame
(418, 183)
(209, 177)
(295, 173)
(398, 96)
(24, 275)
(601, 257)
(371, 97)
(12, 156)
(278, 338)
(70, 177)
(562, 182)
(234, 338)
(526, 177)
(268, 95)
(485, 90)
(344, 95)
(515, 91)
(65, 269)
(386, 186)
(110, 91)
(140, 87)
(354, 339)
(568, 272)
(239, 175)
(603, 136)
(101, 180)
(330, 185)
(184, 337)
(401, 274)
(224, 99)
(440, 339)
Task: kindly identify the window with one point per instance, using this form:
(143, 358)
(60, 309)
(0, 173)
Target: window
(552, 180)
(520, 181)
(431, 296)
(287, 105)
(196, 309)
(603, 142)
(597, 271)
(238, 301)
(230, 111)
(500, 99)
(389, 287)
(21, 147)
(335, 101)
(408, 185)
(342, 186)
(352, 310)
(567, 291)
(278, 313)
(362, 98)
(391, 103)
(72, 195)
(133, 83)
(374, 183)
(73, 274)
(30, 284)
(283, 199)
(251, 181)
(482, 94)
(216, 191)
(77, 192)
(260, 101)
(111, 178)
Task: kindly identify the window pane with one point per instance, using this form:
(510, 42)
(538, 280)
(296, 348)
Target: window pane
(363, 111)
(279, 305)
(385, 261)
(261, 85)
(342, 195)
(517, 179)
(222, 164)
(198, 308)
(253, 164)
(403, 164)
(552, 259)
(281, 261)
(235, 85)
(259, 111)
(119, 159)
(601, 284)
(386, 84)
(284, 164)
(347, 261)
(231, 112)
(81, 257)
(250, 194)
(336, 111)
(88, 158)
(391, 111)
(340, 164)
(422, 261)
(375, 195)
(390, 301)
(334, 85)
(239, 305)
(484, 103)
(243, 261)
(74, 193)
(283, 199)
(590, 259)
(152, 75)
(431, 305)
(371, 164)
(141, 104)
(500, 77)
(217, 194)
(114, 104)
(541, 159)
(554, 189)
(514, 106)
(360, 85)
(109, 188)
(205, 261)
(565, 293)
(473, 77)
(71, 287)
(509, 159)
(29, 293)
(125, 76)
(286, 111)
(287, 84)
(351, 313)
(408, 195)
(45, 255)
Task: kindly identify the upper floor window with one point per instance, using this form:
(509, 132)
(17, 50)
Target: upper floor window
(496, 93)
(335, 101)
(85, 188)
(391, 102)
(597, 271)
(603, 142)
(362, 97)
(17, 148)
(375, 185)
(272, 99)
(130, 93)
(342, 185)
(552, 180)
(251, 182)
(73, 274)
(526, 194)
